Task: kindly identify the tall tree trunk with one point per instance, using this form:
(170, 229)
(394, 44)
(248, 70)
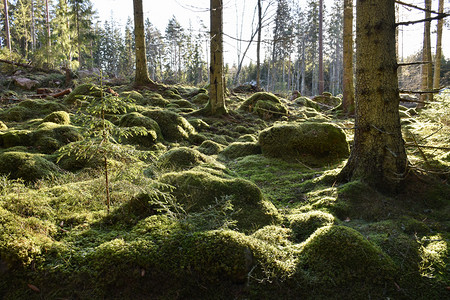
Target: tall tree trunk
(427, 68)
(378, 156)
(348, 88)
(258, 48)
(33, 27)
(49, 41)
(217, 88)
(80, 61)
(438, 57)
(7, 32)
(141, 77)
(321, 80)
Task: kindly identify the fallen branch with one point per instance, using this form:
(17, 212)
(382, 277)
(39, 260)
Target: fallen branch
(425, 146)
(439, 17)
(54, 95)
(413, 63)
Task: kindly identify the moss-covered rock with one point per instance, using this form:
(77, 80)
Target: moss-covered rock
(268, 109)
(50, 137)
(80, 93)
(250, 103)
(173, 126)
(27, 166)
(154, 99)
(240, 149)
(199, 124)
(58, 117)
(306, 102)
(196, 191)
(209, 147)
(16, 114)
(305, 224)
(182, 103)
(322, 141)
(181, 158)
(3, 126)
(328, 100)
(249, 138)
(266, 105)
(171, 93)
(200, 99)
(137, 97)
(15, 138)
(135, 119)
(41, 107)
(339, 255)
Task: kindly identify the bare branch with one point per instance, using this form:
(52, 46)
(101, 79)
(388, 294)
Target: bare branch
(439, 17)
(413, 63)
(417, 7)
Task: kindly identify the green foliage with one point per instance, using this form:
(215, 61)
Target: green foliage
(27, 166)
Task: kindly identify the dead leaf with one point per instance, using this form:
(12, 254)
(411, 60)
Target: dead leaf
(34, 288)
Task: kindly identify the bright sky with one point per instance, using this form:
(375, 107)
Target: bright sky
(192, 11)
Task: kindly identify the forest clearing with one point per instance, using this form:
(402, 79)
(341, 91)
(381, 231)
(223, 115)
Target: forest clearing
(125, 187)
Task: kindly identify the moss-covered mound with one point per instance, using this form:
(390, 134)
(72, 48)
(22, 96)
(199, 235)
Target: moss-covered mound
(58, 117)
(13, 138)
(3, 126)
(173, 126)
(81, 92)
(27, 166)
(154, 99)
(240, 149)
(305, 224)
(135, 119)
(200, 99)
(328, 100)
(182, 103)
(137, 97)
(181, 158)
(341, 256)
(28, 109)
(266, 105)
(197, 191)
(50, 137)
(209, 147)
(323, 141)
(306, 102)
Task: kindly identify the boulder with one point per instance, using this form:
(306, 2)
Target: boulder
(173, 126)
(240, 149)
(58, 117)
(26, 83)
(322, 141)
(27, 166)
(135, 119)
(181, 158)
(209, 147)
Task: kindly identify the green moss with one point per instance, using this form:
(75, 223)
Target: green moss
(29, 167)
(14, 138)
(181, 159)
(3, 126)
(199, 124)
(171, 94)
(136, 96)
(58, 117)
(50, 137)
(197, 191)
(250, 103)
(16, 114)
(41, 107)
(320, 140)
(154, 99)
(135, 119)
(306, 102)
(274, 235)
(267, 109)
(240, 149)
(200, 99)
(182, 103)
(305, 224)
(249, 138)
(339, 255)
(328, 100)
(209, 147)
(173, 126)
(81, 91)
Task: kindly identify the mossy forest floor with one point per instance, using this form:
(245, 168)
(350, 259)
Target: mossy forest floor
(244, 206)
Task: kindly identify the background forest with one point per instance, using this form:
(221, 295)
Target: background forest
(68, 34)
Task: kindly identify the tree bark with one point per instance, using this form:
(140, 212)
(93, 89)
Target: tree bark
(378, 156)
(141, 78)
(47, 21)
(427, 68)
(438, 57)
(348, 87)
(7, 31)
(216, 89)
(321, 80)
(258, 48)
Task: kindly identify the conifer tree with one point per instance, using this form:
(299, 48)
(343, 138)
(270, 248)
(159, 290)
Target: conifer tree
(7, 31)
(141, 78)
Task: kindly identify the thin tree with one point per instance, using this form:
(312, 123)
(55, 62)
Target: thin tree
(427, 68)
(348, 87)
(216, 89)
(378, 156)
(7, 32)
(47, 21)
(321, 81)
(141, 78)
(258, 47)
(438, 57)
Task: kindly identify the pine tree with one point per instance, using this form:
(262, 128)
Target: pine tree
(348, 88)
(142, 77)
(7, 31)
(378, 155)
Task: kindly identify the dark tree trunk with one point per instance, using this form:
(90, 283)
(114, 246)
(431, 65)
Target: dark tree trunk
(7, 31)
(378, 156)
(437, 64)
(142, 78)
(258, 48)
(348, 87)
(321, 80)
